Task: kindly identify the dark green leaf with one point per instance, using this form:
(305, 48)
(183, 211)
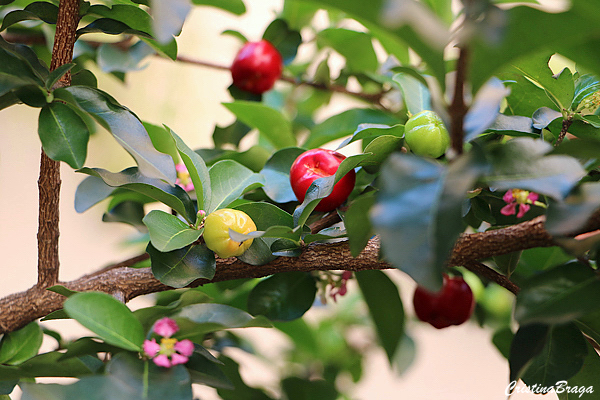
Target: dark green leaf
(485, 108)
(385, 307)
(57, 74)
(356, 47)
(585, 86)
(63, 133)
(125, 127)
(558, 295)
(179, 268)
(357, 223)
(39, 10)
(242, 391)
(285, 40)
(133, 16)
(277, 175)
(283, 297)
(112, 27)
(228, 181)
(128, 212)
(20, 345)
(528, 343)
(231, 134)
(523, 163)
(91, 191)
(584, 381)
(272, 124)
(107, 317)
(303, 389)
(572, 214)
(210, 317)
(130, 178)
(207, 373)
(53, 365)
(167, 232)
(502, 339)
(560, 359)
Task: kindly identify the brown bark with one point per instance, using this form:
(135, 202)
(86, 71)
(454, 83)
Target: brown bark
(49, 180)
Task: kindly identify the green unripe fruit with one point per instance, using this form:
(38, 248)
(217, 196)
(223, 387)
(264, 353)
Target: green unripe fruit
(216, 232)
(426, 134)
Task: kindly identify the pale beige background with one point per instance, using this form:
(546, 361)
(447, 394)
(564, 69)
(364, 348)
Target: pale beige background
(457, 363)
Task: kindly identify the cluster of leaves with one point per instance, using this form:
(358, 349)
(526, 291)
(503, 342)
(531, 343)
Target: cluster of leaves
(520, 108)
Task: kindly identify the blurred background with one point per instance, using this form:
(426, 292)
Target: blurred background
(455, 363)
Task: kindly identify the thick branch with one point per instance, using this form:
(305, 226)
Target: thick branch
(49, 181)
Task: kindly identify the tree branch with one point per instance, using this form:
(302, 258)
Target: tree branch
(18, 309)
(49, 180)
(458, 109)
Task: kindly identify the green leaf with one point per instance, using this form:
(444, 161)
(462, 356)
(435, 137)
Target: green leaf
(39, 10)
(63, 133)
(357, 223)
(485, 108)
(571, 215)
(344, 124)
(372, 131)
(125, 127)
(229, 180)
(296, 388)
(242, 391)
(585, 86)
(127, 377)
(131, 178)
(179, 268)
(231, 134)
(285, 40)
(560, 359)
(414, 93)
(56, 74)
(107, 317)
(112, 59)
(272, 124)
(167, 232)
(356, 47)
(559, 295)
(198, 172)
(524, 163)
(528, 342)
(206, 372)
(385, 307)
(89, 192)
(169, 18)
(283, 297)
(20, 345)
(584, 381)
(236, 7)
(52, 364)
(277, 175)
(211, 317)
(132, 15)
(111, 27)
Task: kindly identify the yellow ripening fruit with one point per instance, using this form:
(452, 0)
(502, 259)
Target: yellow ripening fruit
(216, 232)
(426, 134)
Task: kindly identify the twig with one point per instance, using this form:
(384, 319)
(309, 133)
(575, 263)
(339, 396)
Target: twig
(458, 109)
(566, 124)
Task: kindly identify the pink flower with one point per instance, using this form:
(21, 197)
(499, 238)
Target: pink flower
(165, 327)
(151, 348)
(183, 178)
(521, 198)
(184, 347)
(170, 351)
(341, 288)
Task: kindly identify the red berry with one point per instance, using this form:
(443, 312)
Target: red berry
(452, 305)
(256, 67)
(317, 163)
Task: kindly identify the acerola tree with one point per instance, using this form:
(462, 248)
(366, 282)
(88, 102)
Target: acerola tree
(512, 204)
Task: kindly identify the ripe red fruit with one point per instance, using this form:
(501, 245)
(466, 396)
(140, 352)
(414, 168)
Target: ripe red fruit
(256, 67)
(318, 163)
(452, 305)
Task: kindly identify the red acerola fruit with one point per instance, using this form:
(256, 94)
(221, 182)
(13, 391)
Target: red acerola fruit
(256, 67)
(317, 163)
(452, 305)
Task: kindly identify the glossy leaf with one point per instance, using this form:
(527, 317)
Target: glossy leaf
(415, 93)
(125, 127)
(356, 47)
(167, 232)
(198, 172)
(528, 343)
(283, 297)
(272, 124)
(277, 175)
(523, 163)
(560, 359)
(285, 40)
(344, 124)
(89, 192)
(206, 372)
(210, 317)
(20, 345)
(63, 133)
(572, 214)
(126, 378)
(130, 178)
(485, 108)
(179, 268)
(585, 85)
(52, 364)
(169, 18)
(372, 131)
(229, 180)
(107, 317)
(559, 295)
(39, 10)
(583, 381)
(132, 15)
(357, 223)
(242, 390)
(297, 388)
(385, 307)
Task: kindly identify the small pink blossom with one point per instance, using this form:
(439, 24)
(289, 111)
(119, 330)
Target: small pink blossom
(162, 360)
(165, 327)
(178, 359)
(340, 289)
(184, 347)
(151, 348)
(521, 198)
(183, 177)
